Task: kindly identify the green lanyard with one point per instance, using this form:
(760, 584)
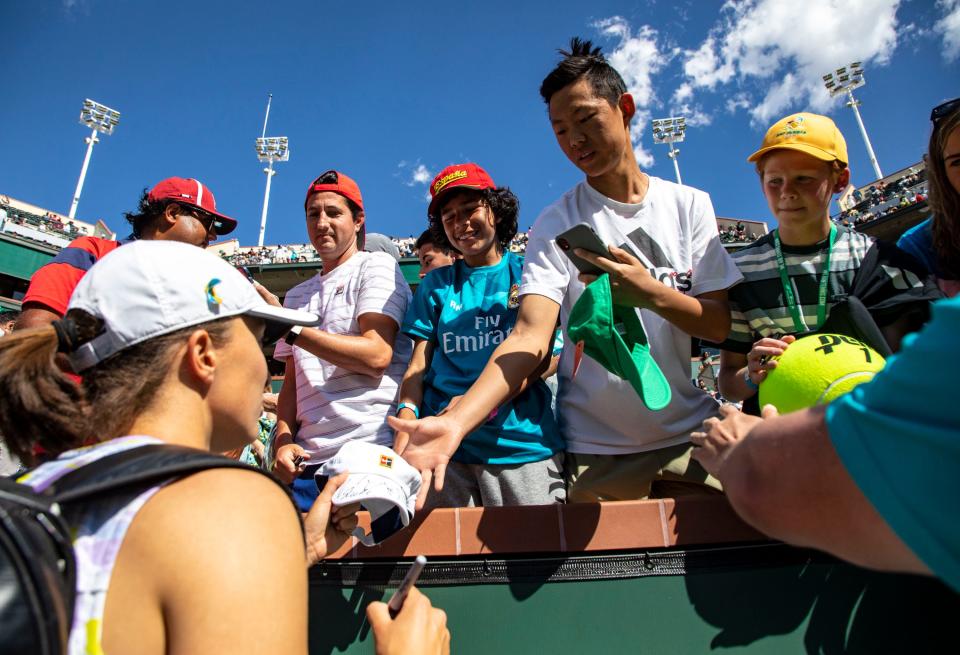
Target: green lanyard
(798, 324)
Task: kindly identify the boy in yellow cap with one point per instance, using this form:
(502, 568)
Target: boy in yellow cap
(796, 276)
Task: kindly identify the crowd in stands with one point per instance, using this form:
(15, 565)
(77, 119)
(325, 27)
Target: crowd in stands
(284, 254)
(885, 198)
(305, 252)
(405, 245)
(48, 222)
(736, 234)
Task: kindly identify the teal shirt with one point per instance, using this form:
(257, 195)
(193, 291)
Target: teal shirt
(899, 438)
(466, 313)
(918, 241)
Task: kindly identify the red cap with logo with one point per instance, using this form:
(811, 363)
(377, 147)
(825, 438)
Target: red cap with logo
(457, 176)
(193, 193)
(338, 183)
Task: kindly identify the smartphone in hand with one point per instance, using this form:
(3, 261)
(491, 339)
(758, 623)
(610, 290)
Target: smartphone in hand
(582, 236)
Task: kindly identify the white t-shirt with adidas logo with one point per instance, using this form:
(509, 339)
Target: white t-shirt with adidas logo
(674, 230)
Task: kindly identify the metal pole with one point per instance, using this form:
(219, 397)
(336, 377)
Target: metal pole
(266, 201)
(266, 116)
(676, 165)
(83, 174)
(863, 130)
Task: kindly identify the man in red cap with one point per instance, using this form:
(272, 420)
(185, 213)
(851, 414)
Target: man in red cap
(176, 209)
(342, 376)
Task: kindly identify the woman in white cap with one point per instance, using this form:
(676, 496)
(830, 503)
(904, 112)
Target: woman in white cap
(167, 340)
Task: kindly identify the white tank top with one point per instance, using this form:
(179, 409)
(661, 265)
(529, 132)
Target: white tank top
(98, 530)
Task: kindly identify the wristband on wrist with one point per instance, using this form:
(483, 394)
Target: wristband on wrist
(293, 334)
(413, 408)
(749, 381)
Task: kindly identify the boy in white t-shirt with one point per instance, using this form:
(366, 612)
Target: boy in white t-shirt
(617, 447)
(342, 376)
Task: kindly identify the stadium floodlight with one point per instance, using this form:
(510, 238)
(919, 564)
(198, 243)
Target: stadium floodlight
(845, 80)
(270, 149)
(670, 130)
(99, 118)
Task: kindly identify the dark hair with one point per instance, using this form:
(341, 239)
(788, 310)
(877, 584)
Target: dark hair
(943, 199)
(42, 405)
(583, 59)
(7, 315)
(147, 211)
(501, 201)
(427, 238)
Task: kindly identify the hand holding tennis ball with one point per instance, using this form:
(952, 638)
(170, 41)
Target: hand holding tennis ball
(760, 358)
(816, 369)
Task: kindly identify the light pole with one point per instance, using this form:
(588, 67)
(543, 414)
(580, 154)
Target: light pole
(269, 149)
(99, 118)
(845, 80)
(670, 131)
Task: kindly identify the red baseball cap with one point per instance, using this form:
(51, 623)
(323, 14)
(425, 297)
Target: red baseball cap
(468, 175)
(194, 193)
(341, 184)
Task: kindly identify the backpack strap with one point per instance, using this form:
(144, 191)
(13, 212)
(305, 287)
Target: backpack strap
(140, 467)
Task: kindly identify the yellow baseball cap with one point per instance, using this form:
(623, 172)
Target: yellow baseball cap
(813, 134)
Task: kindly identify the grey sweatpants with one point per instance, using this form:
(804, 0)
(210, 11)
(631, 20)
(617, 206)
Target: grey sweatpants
(486, 485)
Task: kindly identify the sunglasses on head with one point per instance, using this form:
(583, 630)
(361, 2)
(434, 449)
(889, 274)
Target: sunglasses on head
(942, 111)
(329, 177)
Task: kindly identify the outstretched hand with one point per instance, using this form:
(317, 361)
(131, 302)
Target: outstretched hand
(327, 527)
(431, 442)
(721, 435)
(267, 295)
(631, 283)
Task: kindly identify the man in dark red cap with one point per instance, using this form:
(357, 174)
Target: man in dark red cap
(176, 209)
(342, 376)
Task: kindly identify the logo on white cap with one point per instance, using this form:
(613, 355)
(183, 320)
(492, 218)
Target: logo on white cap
(380, 481)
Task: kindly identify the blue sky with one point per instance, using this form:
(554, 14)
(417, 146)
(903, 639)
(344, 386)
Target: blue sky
(391, 92)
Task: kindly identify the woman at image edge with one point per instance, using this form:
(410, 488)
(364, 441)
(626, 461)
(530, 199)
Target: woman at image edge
(174, 562)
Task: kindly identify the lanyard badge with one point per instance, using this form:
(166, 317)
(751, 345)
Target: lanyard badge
(795, 313)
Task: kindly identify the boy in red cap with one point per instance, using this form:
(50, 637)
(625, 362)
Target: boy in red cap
(617, 447)
(342, 376)
(808, 274)
(459, 316)
(176, 209)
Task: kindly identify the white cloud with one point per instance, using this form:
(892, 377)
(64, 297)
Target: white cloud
(695, 115)
(683, 93)
(421, 175)
(780, 50)
(949, 28)
(413, 174)
(737, 102)
(637, 57)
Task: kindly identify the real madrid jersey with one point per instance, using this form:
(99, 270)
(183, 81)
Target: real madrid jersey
(466, 313)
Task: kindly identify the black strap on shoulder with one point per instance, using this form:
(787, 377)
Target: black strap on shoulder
(140, 466)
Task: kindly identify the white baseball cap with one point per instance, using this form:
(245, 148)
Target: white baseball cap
(146, 289)
(380, 481)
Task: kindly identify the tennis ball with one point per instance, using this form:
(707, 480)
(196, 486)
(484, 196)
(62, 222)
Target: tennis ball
(816, 369)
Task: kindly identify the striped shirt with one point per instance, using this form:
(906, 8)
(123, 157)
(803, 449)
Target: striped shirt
(335, 404)
(758, 306)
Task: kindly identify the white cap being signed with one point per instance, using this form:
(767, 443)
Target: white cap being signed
(380, 481)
